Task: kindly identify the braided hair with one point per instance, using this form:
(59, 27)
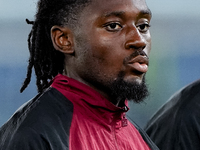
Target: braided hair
(46, 61)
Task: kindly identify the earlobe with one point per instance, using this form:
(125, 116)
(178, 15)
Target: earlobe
(62, 39)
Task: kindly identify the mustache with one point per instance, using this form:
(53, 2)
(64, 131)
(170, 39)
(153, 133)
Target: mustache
(133, 55)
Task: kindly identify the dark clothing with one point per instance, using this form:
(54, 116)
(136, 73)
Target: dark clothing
(176, 126)
(71, 116)
(42, 123)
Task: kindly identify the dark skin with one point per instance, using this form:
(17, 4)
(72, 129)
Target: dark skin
(102, 45)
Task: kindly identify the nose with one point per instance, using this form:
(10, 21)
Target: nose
(135, 40)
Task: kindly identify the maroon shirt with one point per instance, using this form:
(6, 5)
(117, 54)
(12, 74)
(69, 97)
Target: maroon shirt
(97, 124)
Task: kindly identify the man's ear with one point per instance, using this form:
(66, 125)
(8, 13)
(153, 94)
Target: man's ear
(62, 39)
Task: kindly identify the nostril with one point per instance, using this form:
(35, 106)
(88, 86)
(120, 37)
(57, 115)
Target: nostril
(143, 47)
(138, 48)
(137, 45)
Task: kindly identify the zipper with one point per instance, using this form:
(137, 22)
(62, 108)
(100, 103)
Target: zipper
(119, 121)
(114, 135)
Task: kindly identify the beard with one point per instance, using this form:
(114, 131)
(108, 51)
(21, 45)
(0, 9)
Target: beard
(132, 91)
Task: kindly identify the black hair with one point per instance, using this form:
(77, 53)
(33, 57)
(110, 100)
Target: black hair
(46, 61)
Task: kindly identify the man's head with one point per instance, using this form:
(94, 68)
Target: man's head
(109, 48)
(46, 61)
(105, 45)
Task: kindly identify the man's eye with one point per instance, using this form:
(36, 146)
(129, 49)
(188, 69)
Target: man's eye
(143, 27)
(113, 27)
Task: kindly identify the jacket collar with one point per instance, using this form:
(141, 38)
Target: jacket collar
(88, 94)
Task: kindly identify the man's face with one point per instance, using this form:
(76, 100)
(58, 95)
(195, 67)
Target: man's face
(112, 41)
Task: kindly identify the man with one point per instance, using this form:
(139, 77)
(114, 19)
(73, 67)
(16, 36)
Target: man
(89, 57)
(176, 125)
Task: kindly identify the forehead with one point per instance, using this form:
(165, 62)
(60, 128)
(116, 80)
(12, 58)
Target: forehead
(107, 6)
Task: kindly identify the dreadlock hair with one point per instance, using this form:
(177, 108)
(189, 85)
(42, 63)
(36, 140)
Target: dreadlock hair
(46, 61)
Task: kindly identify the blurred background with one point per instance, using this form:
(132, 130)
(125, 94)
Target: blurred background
(174, 59)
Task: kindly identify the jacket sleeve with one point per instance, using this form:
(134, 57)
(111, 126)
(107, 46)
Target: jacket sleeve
(26, 139)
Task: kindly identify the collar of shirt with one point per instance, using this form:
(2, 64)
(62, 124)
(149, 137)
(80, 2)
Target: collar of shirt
(75, 90)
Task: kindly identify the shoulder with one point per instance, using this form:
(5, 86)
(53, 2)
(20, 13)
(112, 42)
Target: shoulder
(47, 116)
(25, 139)
(183, 103)
(177, 117)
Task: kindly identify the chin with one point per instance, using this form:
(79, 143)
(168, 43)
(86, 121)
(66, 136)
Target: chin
(135, 80)
(134, 89)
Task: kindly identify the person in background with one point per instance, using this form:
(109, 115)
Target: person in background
(90, 57)
(176, 125)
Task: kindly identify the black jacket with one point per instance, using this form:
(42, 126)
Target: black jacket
(43, 123)
(176, 126)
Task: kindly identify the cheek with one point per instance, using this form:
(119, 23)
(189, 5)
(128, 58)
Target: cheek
(105, 43)
(106, 54)
(106, 47)
(105, 63)
(148, 46)
(148, 49)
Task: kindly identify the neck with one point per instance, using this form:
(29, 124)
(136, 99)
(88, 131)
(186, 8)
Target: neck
(117, 101)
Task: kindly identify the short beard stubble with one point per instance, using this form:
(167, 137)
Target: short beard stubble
(132, 91)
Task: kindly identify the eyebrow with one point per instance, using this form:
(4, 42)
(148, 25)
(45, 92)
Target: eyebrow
(115, 13)
(121, 13)
(146, 12)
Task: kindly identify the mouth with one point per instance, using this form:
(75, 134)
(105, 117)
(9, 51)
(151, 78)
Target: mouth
(139, 63)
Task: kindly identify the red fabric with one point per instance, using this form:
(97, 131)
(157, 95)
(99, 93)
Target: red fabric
(97, 124)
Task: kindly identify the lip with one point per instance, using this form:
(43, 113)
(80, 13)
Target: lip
(139, 63)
